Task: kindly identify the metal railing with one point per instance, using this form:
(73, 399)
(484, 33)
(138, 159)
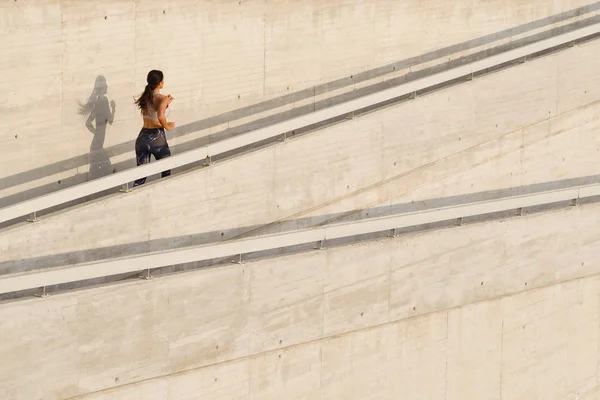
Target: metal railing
(147, 262)
(31, 207)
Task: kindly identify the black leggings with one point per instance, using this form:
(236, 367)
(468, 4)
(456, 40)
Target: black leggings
(151, 142)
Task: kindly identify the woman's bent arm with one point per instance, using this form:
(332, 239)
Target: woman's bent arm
(164, 102)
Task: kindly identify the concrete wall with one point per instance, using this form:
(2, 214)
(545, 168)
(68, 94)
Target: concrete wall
(507, 309)
(527, 125)
(228, 63)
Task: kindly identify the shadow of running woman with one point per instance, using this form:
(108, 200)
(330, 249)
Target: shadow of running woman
(97, 109)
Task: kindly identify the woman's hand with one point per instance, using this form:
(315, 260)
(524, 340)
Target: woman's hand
(170, 99)
(170, 126)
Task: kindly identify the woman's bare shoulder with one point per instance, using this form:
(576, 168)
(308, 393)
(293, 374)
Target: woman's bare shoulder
(157, 99)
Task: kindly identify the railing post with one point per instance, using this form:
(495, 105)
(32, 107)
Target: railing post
(43, 294)
(146, 275)
(351, 115)
(33, 217)
(459, 221)
(413, 95)
(520, 211)
(320, 245)
(393, 233)
(238, 259)
(470, 77)
(125, 188)
(575, 202)
(208, 161)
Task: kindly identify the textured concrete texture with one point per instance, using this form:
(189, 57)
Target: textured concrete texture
(531, 126)
(498, 310)
(229, 63)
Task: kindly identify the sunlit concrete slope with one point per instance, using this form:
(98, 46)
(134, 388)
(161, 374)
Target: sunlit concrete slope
(228, 63)
(530, 124)
(506, 309)
(526, 125)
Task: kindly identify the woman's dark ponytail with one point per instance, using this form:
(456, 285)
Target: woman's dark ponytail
(154, 78)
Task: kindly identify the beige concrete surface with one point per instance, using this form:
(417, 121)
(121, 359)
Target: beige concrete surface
(504, 309)
(220, 57)
(508, 129)
(499, 310)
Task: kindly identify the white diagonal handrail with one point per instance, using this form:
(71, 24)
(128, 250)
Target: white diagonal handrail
(98, 185)
(80, 272)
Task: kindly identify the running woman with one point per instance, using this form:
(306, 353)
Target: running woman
(152, 139)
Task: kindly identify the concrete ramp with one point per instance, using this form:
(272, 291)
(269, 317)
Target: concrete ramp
(226, 63)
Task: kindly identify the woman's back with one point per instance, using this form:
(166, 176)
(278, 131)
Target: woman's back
(150, 114)
(150, 111)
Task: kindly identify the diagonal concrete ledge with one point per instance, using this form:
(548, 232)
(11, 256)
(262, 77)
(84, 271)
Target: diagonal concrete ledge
(211, 150)
(66, 274)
